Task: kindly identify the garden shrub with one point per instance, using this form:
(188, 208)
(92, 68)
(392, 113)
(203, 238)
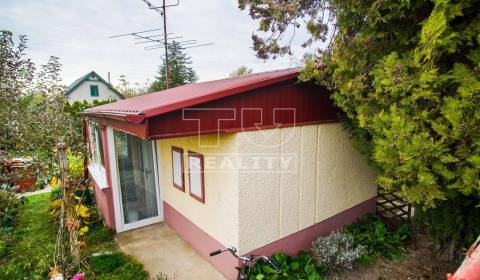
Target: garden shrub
(3, 248)
(75, 165)
(337, 251)
(40, 183)
(56, 193)
(455, 224)
(5, 231)
(300, 266)
(10, 206)
(378, 239)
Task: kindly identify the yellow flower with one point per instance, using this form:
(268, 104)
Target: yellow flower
(54, 182)
(362, 121)
(55, 203)
(83, 230)
(82, 211)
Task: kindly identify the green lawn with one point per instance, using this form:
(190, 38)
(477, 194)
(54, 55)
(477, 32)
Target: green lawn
(30, 255)
(31, 251)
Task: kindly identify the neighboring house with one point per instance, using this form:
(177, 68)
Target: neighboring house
(91, 87)
(257, 162)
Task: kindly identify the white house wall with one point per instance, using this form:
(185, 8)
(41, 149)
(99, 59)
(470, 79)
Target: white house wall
(328, 177)
(218, 216)
(83, 92)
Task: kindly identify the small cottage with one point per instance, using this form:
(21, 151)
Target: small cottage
(258, 162)
(91, 87)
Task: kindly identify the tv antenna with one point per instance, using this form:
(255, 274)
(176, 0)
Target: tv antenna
(152, 40)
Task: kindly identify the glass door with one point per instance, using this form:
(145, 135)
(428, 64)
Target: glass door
(136, 178)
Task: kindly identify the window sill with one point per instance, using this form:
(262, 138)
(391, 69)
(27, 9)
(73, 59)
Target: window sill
(99, 175)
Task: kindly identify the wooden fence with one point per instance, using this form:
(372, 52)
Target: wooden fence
(393, 209)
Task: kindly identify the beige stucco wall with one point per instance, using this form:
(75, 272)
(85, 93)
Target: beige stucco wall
(325, 176)
(261, 186)
(219, 215)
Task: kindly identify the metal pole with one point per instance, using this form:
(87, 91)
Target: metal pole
(167, 66)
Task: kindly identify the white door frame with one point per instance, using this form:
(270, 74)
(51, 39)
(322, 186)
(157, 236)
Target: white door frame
(117, 198)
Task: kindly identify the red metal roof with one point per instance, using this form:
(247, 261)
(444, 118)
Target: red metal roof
(136, 109)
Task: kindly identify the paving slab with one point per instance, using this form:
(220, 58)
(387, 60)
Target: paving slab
(161, 250)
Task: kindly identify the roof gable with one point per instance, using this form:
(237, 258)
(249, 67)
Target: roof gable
(88, 77)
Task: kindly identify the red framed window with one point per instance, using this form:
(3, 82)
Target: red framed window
(177, 168)
(196, 176)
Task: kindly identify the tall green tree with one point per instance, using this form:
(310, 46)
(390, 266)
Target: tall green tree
(33, 119)
(16, 73)
(407, 76)
(130, 90)
(181, 70)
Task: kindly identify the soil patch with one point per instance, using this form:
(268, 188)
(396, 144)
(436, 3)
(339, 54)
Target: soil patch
(419, 263)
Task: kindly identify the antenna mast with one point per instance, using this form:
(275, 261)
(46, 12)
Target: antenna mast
(167, 70)
(149, 38)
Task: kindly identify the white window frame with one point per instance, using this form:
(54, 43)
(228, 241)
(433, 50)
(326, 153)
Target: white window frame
(201, 172)
(120, 226)
(95, 167)
(178, 185)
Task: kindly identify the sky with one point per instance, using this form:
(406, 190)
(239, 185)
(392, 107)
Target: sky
(78, 32)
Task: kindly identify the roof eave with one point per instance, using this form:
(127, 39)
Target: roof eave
(134, 118)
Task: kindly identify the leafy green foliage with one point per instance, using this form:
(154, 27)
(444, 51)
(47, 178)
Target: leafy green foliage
(128, 90)
(99, 234)
(240, 71)
(455, 223)
(181, 71)
(75, 165)
(337, 251)
(407, 76)
(74, 109)
(30, 254)
(56, 193)
(10, 207)
(3, 248)
(35, 120)
(300, 266)
(16, 72)
(378, 239)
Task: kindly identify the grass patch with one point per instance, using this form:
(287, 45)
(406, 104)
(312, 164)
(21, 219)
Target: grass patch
(116, 266)
(30, 254)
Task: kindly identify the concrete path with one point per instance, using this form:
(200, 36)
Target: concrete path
(161, 250)
(47, 189)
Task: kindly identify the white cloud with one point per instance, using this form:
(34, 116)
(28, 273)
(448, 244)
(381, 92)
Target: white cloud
(77, 32)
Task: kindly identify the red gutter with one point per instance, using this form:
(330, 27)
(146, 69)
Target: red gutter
(131, 118)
